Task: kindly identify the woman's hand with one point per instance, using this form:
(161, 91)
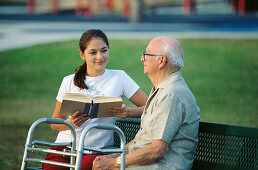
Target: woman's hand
(122, 112)
(77, 119)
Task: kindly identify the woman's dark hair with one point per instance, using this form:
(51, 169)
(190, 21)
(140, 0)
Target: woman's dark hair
(80, 72)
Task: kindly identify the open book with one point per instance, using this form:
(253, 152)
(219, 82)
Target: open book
(95, 107)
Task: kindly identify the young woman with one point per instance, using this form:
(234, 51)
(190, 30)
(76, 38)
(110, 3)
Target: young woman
(93, 79)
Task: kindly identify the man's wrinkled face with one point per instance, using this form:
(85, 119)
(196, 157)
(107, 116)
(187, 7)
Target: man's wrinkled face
(152, 54)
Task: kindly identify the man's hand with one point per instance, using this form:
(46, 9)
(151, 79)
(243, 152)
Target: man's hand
(105, 162)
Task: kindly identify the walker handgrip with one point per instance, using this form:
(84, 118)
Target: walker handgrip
(55, 121)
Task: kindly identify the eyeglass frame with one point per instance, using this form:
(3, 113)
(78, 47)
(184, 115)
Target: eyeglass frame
(143, 55)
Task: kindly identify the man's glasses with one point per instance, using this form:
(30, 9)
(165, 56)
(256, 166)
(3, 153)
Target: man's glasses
(144, 54)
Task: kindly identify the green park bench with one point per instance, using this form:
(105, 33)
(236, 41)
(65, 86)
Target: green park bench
(219, 147)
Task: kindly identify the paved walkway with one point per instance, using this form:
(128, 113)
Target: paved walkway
(17, 34)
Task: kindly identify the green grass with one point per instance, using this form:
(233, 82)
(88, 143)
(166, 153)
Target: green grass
(222, 75)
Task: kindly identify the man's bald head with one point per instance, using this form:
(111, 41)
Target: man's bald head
(171, 48)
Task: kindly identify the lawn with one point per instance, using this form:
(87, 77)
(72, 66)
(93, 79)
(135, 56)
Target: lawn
(222, 75)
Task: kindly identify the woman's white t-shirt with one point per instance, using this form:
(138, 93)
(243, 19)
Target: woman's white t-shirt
(112, 83)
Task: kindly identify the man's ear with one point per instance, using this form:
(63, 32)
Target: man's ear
(162, 61)
(82, 54)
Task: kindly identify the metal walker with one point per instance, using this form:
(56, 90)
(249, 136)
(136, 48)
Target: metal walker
(75, 155)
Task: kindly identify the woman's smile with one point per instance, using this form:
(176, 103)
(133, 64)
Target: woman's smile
(99, 62)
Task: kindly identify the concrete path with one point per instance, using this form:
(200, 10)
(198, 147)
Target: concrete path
(17, 34)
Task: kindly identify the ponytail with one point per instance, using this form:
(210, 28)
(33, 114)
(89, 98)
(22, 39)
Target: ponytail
(80, 75)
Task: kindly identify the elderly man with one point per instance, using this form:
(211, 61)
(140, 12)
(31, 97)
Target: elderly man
(170, 121)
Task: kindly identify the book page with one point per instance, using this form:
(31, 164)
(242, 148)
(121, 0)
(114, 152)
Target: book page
(77, 97)
(104, 99)
(82, 102)
(103, 107)
(69, 107)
